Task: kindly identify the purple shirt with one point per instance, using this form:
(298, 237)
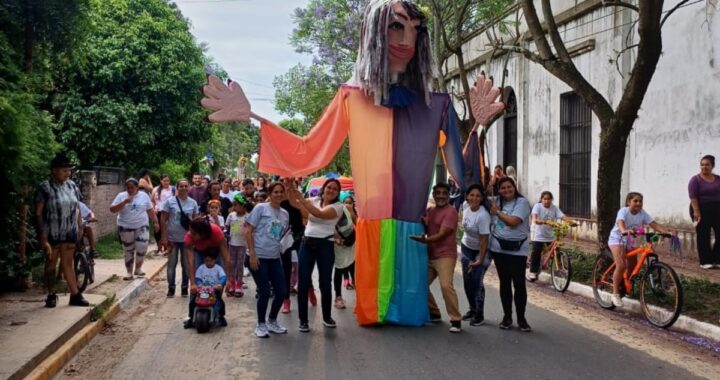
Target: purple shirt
(704, 191)
(198, 193)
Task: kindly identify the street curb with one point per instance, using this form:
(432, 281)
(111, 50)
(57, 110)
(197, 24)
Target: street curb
(684, 323)
(56, 361)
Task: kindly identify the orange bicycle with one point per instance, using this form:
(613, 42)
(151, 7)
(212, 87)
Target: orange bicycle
(556, 260)
(660, 294)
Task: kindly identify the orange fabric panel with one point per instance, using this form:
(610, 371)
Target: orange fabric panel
(367, 260)
(371, 144)
(288, 155)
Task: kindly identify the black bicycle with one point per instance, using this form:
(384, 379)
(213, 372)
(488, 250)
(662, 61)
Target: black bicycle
(84, 264)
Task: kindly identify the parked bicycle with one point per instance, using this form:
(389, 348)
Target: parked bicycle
(554, 259)
(84, 263)
(660, 293)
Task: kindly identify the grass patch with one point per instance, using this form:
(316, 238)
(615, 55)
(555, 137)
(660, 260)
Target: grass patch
(100, 310)
(108, 247)
(701, 298)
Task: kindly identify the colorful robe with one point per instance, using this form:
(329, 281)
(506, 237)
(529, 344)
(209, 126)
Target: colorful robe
(392, 152)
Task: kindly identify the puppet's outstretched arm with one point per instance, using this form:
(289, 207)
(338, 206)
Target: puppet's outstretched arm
(281, 152)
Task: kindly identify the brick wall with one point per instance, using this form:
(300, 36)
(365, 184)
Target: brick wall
(99, 198)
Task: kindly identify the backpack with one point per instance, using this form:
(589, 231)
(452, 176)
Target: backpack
(346, 229)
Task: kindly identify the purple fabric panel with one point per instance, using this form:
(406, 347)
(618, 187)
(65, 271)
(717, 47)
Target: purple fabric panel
(704, 191)
(416, 130)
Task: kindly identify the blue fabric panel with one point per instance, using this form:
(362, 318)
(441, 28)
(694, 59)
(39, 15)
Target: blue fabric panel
(408, 305)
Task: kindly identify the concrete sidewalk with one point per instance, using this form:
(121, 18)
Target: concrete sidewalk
(31, 333)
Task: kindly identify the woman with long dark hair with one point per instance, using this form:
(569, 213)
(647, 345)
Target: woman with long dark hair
(475, 256)
(704, 191)
(509, 249)
(322, 213)
(266, 225)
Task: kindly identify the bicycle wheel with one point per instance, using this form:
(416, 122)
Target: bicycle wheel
(661, 295)
(82, 272)
(560, 271)
(602, 281)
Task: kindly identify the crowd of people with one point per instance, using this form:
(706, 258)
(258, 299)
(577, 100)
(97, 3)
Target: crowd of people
(222, 231)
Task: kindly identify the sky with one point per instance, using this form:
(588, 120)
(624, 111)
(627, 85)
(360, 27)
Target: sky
(249, 39)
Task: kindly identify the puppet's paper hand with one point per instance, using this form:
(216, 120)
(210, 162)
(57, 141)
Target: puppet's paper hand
(228, 102)
(484, 101)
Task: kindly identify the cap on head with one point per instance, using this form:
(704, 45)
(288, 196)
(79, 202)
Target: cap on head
(60, 161)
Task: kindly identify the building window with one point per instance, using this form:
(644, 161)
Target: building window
(510, 129)
(575, 146)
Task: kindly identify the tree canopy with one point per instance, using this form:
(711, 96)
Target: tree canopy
(131, 99)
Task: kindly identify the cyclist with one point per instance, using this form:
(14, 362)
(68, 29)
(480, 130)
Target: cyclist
(542, 212)
(629, 218)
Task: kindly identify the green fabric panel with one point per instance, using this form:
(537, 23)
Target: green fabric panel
(386, 275)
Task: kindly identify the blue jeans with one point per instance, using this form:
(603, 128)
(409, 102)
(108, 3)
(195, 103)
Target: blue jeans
(270, 272)
(473, 281)
(178, 250)
(322, 251)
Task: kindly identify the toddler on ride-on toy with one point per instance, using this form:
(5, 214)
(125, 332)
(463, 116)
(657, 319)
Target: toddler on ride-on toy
(206, 303)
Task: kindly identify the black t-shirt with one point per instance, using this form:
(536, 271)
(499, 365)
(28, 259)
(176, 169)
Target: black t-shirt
(296, 220)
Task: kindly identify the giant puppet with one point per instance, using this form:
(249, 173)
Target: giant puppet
(395, 124)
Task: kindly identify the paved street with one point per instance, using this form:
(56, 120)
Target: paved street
(148, 341)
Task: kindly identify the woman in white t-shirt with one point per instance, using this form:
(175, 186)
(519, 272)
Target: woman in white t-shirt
(475, 256)
(322, 213)
(542, 212)
(134, 210)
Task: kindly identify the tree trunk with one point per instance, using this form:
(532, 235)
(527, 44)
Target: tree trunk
(613, 139)
(466, 90)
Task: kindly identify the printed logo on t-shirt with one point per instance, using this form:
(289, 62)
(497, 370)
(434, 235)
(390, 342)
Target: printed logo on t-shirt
(276, 229)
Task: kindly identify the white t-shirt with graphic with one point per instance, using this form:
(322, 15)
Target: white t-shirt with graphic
(134, 214)
(475, 224)
(236, 225)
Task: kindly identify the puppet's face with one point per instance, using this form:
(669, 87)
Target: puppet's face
(402, 35)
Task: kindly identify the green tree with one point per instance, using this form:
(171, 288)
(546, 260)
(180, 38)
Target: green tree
(34, 35)
(132, 100)
(227, 142)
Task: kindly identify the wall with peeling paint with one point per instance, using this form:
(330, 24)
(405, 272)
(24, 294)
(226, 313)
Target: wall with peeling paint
(678, 123)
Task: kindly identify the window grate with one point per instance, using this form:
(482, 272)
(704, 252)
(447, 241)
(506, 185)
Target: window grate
(575, 149)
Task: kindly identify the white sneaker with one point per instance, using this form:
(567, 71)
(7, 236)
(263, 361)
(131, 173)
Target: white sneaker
(261, 331)
(617, 300)
(532, 277)
(707, 266)
(275, 328)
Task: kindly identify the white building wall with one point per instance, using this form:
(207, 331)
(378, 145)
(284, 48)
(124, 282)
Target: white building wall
(678, 123)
